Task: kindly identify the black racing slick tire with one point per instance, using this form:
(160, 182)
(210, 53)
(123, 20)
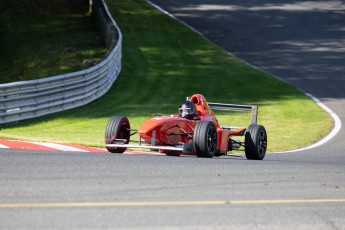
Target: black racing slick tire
(205, 139)
(118, 127)
(255, 142)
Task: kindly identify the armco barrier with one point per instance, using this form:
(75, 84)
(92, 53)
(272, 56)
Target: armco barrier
(35, 98)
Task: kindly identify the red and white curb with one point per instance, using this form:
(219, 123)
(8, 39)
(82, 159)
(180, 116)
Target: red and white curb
(29, 145)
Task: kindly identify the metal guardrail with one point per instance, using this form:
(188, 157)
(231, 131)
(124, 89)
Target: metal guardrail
(35, 98)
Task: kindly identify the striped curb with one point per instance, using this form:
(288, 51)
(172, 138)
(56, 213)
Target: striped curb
(29, 145)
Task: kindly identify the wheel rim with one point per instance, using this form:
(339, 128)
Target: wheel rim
(262, 145)
(211, 139)
(124, 133)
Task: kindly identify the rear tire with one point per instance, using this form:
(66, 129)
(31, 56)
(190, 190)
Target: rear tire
(117, 128)
(205, 139)
(255, 142)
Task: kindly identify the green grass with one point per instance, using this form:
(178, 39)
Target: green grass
(163, 62)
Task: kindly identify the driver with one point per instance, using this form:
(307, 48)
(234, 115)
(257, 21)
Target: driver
(187, 110)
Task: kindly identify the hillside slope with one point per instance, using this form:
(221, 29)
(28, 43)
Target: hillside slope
(40, 38)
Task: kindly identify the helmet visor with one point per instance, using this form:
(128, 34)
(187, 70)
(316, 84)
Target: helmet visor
(185, 111)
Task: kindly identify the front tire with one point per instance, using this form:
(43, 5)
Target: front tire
(117, 128)
(205, 139)
(255, 142)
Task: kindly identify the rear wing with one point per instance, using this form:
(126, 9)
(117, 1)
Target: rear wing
(253, 109)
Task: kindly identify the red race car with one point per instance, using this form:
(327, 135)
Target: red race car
(194, 131)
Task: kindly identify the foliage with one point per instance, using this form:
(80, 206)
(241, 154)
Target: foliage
(46, 38)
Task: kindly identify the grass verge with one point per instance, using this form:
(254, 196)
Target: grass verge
(163, 62)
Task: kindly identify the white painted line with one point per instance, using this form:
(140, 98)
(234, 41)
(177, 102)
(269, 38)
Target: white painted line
(3, 147)
(59, 147)
(172, 16)
(162, 10)
(336, 129)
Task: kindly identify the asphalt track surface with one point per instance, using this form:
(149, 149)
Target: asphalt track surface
(301, 42)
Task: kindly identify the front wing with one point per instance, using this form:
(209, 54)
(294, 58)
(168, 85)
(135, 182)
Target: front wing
(184, 147)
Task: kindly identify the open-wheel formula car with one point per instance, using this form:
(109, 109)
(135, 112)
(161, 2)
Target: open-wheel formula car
(194, 131)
